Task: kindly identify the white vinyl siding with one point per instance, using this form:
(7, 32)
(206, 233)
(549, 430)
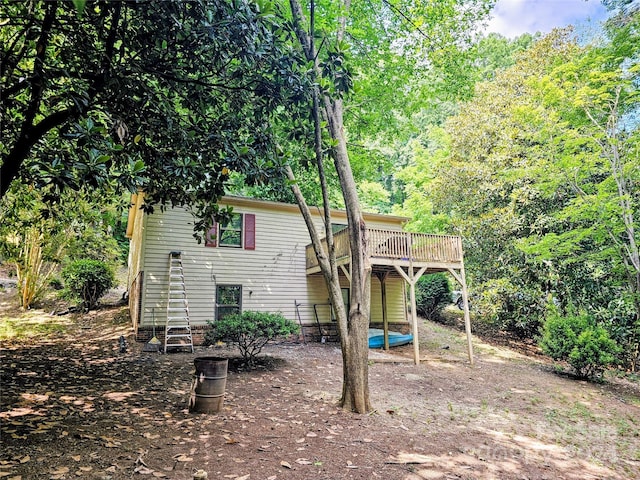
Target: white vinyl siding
(273, 276)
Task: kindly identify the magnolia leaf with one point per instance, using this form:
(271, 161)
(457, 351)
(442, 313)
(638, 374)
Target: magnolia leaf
(79, 5)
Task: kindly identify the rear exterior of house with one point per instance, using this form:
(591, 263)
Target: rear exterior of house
(257, 262)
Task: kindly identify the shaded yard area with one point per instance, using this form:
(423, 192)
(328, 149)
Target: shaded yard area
(73, 406)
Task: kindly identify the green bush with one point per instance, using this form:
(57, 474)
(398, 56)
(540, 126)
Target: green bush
(87, 281)
(619, 317)
(502, 306)
(433, 293)
(250, 331)
(577, 339)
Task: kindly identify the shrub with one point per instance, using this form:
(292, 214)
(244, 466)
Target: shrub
(577, 339)
(250, 331)
(88, 280)
(502, 306)
(619, 317)
(433, 293)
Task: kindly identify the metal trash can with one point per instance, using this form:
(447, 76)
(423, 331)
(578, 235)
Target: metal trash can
(209, 383)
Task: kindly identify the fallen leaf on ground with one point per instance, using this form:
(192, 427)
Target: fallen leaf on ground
(142, 470)
(60, 471)
(410, 458)
(285, 464)
(183, 458)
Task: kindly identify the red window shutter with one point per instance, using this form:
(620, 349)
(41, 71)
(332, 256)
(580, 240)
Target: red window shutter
(249, 231)
(211, 237)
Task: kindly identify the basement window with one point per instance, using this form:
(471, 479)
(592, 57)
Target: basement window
(228, 300)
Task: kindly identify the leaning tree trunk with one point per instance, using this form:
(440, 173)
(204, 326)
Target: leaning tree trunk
(354, 331)
(353, 326)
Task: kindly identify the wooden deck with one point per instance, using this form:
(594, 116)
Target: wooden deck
(396, 248)
(409, 255)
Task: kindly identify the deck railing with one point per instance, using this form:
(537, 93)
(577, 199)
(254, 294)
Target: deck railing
(398, 245)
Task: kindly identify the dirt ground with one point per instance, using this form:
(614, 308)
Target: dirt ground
(73, 406)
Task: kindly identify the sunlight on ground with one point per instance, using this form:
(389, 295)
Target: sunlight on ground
(119, 396)
(32, 324)
(505, 456)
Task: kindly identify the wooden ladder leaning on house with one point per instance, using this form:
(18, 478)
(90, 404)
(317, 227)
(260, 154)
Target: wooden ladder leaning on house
(178, 327)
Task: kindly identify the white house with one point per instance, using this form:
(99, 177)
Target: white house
(262, 260)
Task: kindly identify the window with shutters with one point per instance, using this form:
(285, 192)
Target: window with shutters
(238, 232)
(230, 234)
(228, 300)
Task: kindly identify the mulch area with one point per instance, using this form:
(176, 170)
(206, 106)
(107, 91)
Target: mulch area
(74, 406)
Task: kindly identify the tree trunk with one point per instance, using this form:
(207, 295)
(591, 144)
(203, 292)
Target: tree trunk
(354, 336)
(353, 326)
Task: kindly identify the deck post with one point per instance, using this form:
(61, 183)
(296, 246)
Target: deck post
(414, 322)
(460, 277)
(382, 277)
(411, 279)
(467, 316)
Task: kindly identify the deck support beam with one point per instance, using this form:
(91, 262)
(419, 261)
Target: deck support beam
(382, 276)
(460, 277)
(411, 278)
(346, 271)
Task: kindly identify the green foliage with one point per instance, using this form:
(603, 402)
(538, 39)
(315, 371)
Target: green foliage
(32, 238)
(119, 96)
(577, 339)
(39, 235)
(433, 293)
(88, 280)
(250, 331)
(502, 306)
(373, 197)
(539, 173)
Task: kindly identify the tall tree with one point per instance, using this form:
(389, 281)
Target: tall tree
(171, 97)
(342, 26)
(595, 96)
(541, 177)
